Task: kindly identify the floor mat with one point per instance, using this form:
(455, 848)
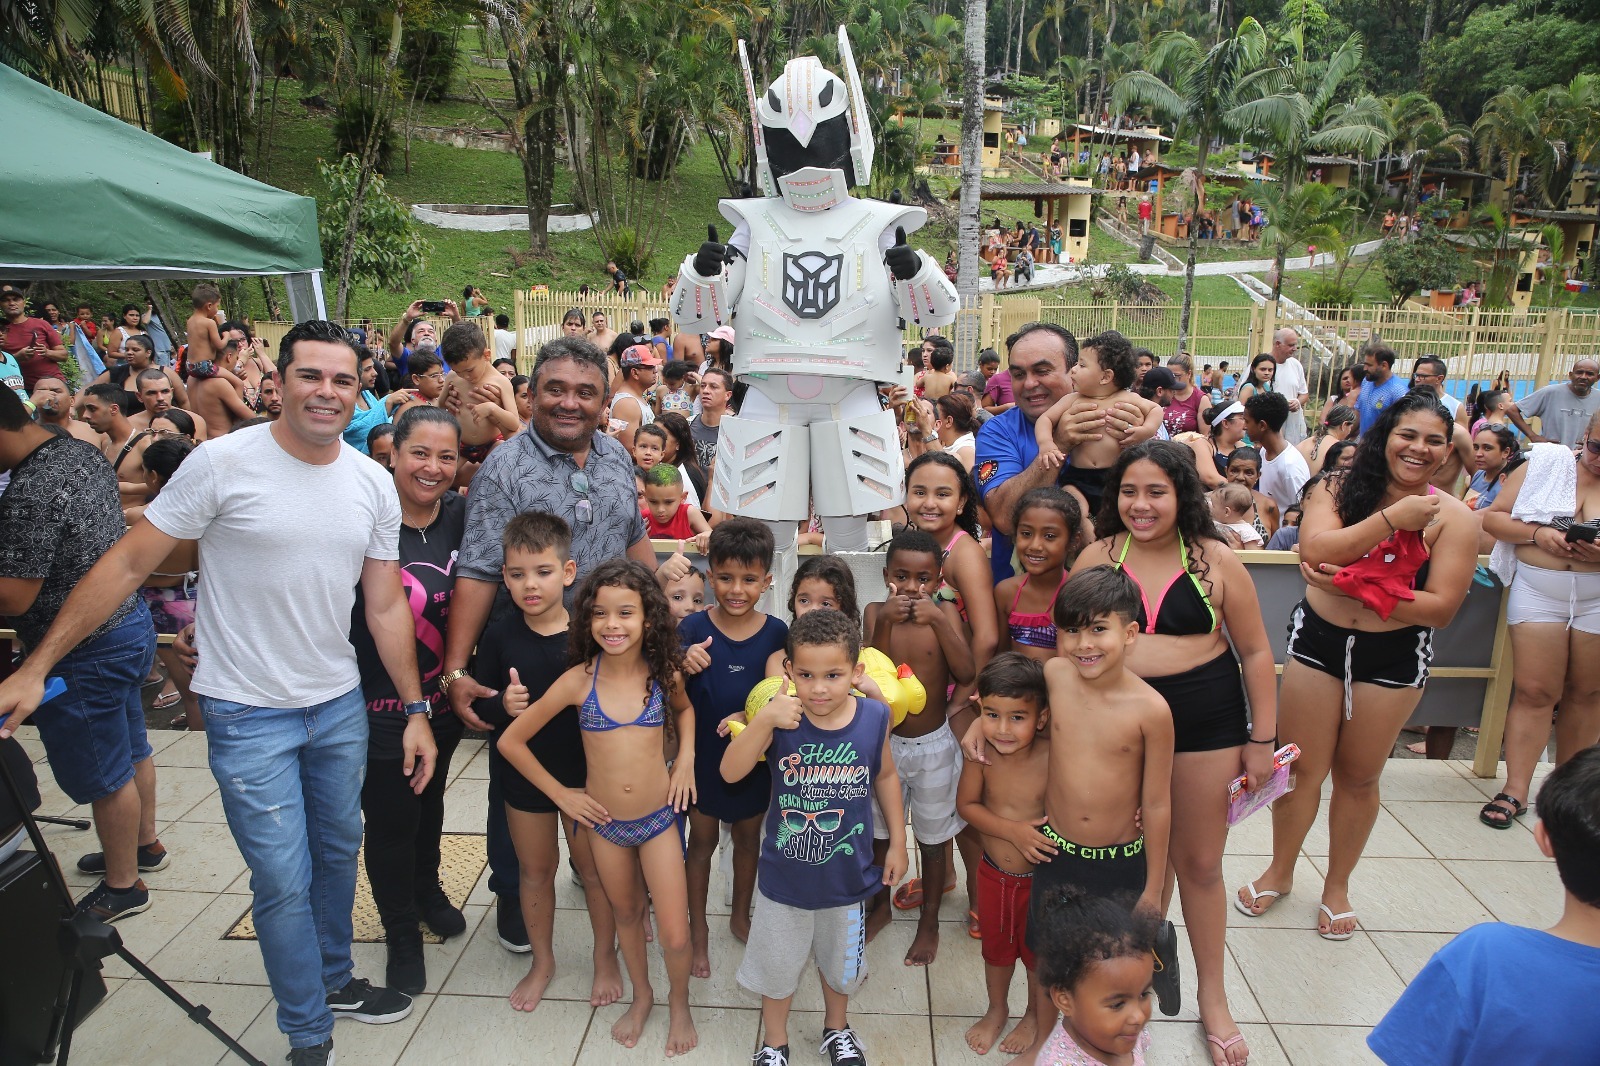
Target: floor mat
(462, 859)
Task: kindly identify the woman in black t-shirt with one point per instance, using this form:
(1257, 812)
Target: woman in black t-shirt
(403, 826)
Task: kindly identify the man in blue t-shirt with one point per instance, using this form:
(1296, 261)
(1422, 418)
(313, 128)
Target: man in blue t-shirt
(1468, 1008)
(1005, 462)
(1381, 388)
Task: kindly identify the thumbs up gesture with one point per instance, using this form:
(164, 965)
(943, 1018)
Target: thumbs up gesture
(901, 258)
(696, 657)
(516, 695)
(709, 260)
(676, 567)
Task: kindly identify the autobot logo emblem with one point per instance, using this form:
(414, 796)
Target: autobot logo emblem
(811, 283)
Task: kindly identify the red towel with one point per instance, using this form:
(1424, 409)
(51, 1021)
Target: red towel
(1386, 574)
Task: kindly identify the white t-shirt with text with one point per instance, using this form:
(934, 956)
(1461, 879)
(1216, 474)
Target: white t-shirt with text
(282, 545)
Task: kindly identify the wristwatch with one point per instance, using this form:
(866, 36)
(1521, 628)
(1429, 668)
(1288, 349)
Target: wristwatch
(419, 707)
(446, 680)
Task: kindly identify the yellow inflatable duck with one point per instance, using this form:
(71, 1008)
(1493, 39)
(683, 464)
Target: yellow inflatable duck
(901, 690)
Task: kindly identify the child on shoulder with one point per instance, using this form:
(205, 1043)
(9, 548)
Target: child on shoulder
(521, 655)
(1004, 801)
(914, 628)
(728, 647)
(627, 676)
(829, 756)
(1454, 1011)
(1101, 378)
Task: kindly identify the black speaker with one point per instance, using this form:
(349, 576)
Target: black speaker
(33, 978)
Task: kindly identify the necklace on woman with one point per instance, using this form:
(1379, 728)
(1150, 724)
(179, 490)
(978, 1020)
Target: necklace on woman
(423, 528)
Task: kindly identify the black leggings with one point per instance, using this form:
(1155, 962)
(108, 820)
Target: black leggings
(403, 830)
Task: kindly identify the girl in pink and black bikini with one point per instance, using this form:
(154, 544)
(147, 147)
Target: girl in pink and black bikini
(1047, 538)
(627, 684)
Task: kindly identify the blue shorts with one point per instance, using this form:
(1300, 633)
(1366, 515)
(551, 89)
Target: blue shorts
(94, 732)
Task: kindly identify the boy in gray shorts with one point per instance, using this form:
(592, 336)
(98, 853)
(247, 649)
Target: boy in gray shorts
(829, 753)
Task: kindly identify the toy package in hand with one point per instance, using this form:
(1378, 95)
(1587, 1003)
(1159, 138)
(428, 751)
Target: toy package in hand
(1242, 804)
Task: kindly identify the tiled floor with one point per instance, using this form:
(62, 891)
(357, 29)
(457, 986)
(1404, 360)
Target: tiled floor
(1431, 871)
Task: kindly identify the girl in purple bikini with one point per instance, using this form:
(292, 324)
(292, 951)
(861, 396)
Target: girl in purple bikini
(627, 684)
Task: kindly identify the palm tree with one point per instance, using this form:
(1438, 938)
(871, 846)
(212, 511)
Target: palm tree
(1573, 112)
(975, 28)
(1298, 215)
(1422, 135)
(1207, 92)
(1509, 131)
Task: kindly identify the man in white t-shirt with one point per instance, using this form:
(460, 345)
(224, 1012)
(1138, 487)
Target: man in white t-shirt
(277, 676)
(1290, 381)
(1283, 469)
(505, 341)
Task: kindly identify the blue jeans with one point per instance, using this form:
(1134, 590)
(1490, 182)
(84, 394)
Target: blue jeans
(291, 788)
(94, 733)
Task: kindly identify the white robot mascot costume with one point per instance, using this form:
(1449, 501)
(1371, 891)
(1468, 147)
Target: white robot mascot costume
(818, 284)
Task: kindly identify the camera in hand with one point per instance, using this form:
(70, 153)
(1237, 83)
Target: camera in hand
(433, 307)
(1584, 531)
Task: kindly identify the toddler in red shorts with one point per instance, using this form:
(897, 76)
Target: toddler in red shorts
(1003, 800)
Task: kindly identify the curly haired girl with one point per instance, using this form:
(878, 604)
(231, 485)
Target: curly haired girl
(626, 673)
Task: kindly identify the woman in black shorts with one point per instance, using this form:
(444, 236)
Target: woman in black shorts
(1358, 655)
(404, 827)
(1158, 530)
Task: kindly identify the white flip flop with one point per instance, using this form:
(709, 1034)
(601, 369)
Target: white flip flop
(1332, 917)
(1244, 909)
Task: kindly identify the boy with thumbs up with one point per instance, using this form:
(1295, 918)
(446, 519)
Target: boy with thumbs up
(519, 656)
(726, 650)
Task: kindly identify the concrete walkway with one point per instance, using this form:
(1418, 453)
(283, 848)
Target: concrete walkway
(1430, 871)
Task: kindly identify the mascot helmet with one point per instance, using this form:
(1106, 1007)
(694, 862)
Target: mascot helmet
(810, 118)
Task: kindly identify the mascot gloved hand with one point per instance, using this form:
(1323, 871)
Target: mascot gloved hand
(897, 686)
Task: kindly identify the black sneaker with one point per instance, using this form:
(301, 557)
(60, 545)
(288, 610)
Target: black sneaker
(358, 999)
(1169, 994)
(110, 905)
(843, 1047)
(771, 1056)
(151, 858)
(406, 970)
(442, 916)
(321, 1055)
(508, 925)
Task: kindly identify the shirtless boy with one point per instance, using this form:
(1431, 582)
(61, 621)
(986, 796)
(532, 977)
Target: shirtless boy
(1004, 801)
(478, 393)
(912, 627)
(1102, 378)
(205, 337)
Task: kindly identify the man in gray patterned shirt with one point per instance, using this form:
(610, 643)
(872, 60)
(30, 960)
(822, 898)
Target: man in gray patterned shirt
(561, 465)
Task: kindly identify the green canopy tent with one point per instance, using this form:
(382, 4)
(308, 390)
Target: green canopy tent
(90, 197)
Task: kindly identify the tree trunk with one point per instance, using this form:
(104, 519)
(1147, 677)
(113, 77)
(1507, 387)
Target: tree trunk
(1194, 245)
(975, 29)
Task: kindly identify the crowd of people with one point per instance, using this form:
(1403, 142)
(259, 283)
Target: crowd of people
(485, 560)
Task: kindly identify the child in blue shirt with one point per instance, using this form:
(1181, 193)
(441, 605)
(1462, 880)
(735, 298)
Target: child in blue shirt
(1469, 1006)
(828, 752)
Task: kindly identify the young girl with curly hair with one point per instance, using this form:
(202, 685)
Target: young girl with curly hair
(626, 681)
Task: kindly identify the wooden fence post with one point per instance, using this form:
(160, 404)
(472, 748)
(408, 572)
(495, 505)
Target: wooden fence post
(1547, 348)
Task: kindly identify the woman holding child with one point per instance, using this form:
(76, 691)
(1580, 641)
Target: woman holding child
(1359, 646)
(1156, 527)
(404, 826)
